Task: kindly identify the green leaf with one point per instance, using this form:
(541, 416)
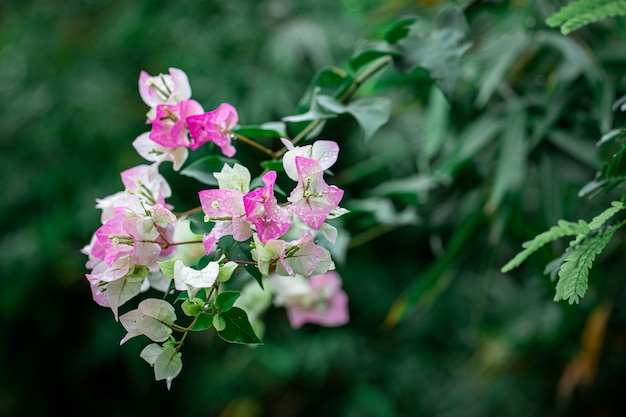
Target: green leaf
(439, 52)
(433, 281)
(399, 29)
(384, 211)
(501, 52)
(256, 274)
(601, 219)
(574, 271)
(511, 166)
(370, 112)
(203, 321)
(315, 111)
(331, 78)
(167, 267)
(614, 134)
(578, 148)
(256, 132)
(471, 141)
(198, 226)
(203, 168)
(436, 121)
(192, 307)
(219, 322)
(226, 299)
(583, 12)
(273, 166)
(238, 328)
(371, 51)
(563, 228)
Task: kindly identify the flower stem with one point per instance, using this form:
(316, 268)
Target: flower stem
(189, 212)
(187, 242)
(254, 144)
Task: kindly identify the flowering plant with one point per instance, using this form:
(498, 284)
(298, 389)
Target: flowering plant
(273, 232)
(137, 248)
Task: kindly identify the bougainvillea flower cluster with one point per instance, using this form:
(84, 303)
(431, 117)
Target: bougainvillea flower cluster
(137, 248)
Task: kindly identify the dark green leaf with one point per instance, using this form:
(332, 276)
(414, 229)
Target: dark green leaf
(511, 168)
(238, 328)
(273, 165)
(370, 112)
(203, 322)
(256, 132)
(399, 30)
(226, 299)
(315, 111)
(331, 78)
(256, 274)
(440, 52)
(370, 52)
(203, 168)
(198, 225)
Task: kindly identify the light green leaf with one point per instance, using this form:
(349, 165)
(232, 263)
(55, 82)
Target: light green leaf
(192, 307)
(574, 271)
(167, 267)
(601, 219)
(563, 228)
(583, 12)
(436, 121)
(219, 322)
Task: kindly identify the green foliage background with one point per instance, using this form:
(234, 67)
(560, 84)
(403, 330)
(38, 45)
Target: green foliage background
(442, 197)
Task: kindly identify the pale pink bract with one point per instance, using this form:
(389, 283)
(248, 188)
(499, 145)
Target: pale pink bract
(169, 88)
(318, 299)
(226, 209)
(325, 152)
(312, 199)
(330, 306)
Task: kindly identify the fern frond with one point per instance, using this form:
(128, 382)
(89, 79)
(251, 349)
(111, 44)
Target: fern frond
(582, 12)
(574, 271)
(563, 228)
(600, 219)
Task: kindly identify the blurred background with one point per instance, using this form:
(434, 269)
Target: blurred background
(442, 196)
